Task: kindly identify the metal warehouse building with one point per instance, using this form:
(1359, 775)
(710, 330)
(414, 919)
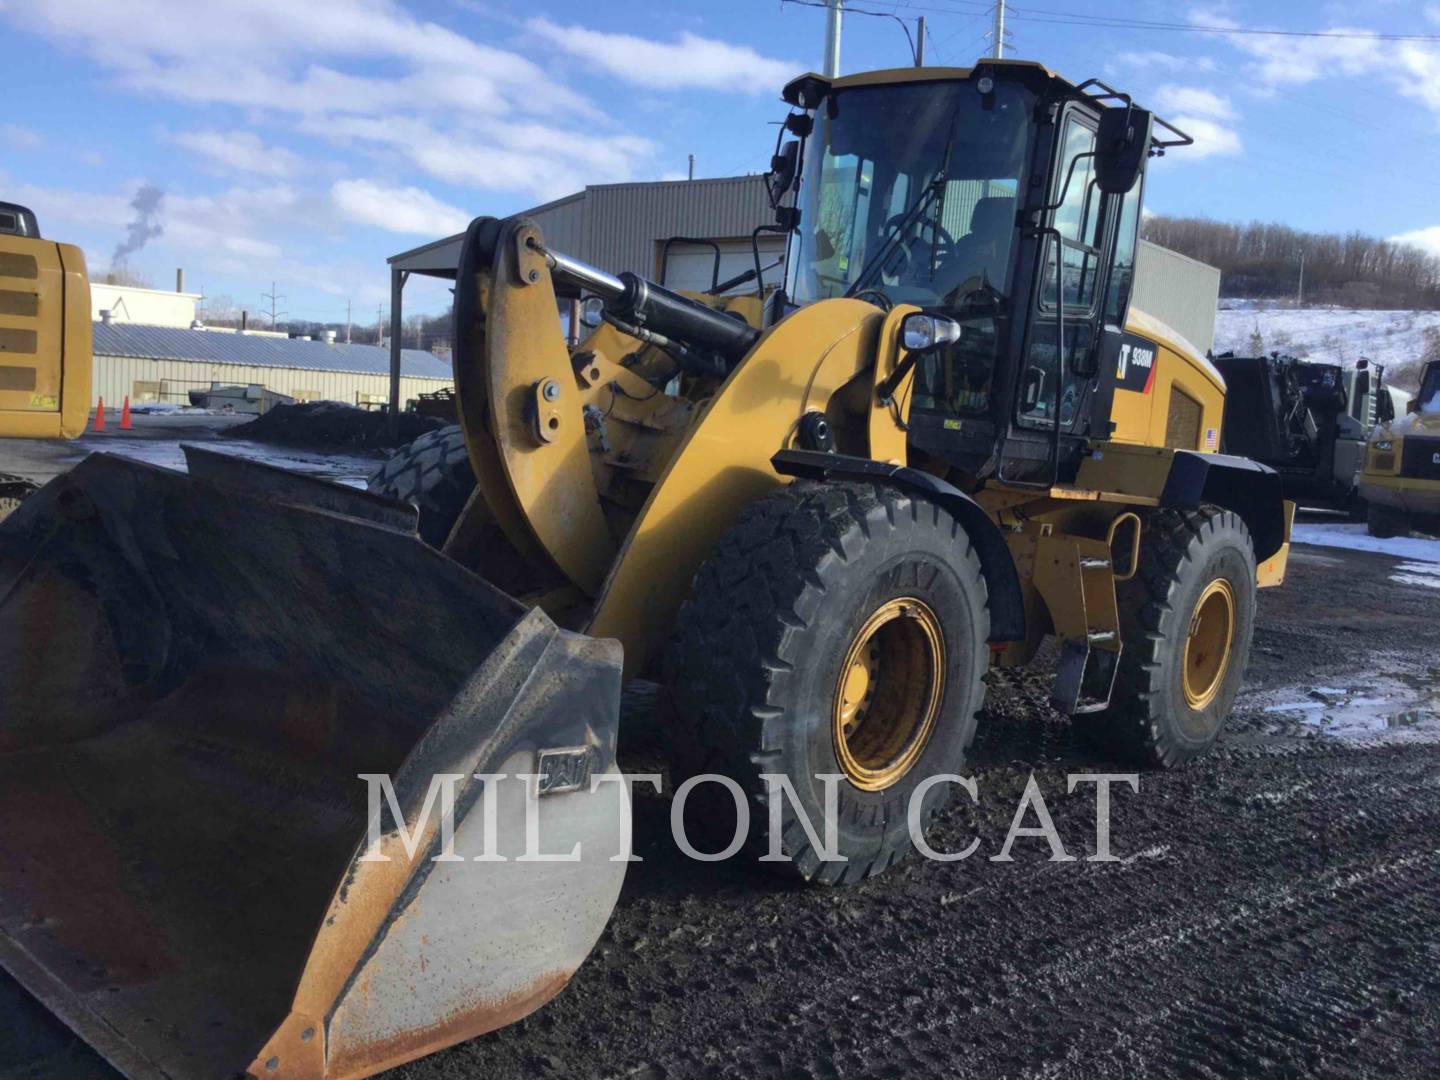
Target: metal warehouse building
(163, 364)
(625, 226)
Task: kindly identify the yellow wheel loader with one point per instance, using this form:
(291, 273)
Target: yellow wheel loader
(44, 332)
(818, 516)
(1400, 482)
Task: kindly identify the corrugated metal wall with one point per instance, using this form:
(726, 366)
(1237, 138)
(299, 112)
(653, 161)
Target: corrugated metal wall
(1180, 291)
(115, 377)
(615, 226)
(563, 223)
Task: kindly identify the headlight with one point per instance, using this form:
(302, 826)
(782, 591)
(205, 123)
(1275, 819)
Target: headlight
(920, 332)
(1384, 446)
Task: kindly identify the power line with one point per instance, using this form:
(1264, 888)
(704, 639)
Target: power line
(1070, 18)
(910, 39)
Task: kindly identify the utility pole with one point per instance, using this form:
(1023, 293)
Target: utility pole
(997, 32)
(830, 63)
(347, 322)
(692, 166)
(380, 324)
(1300, 289)
(272, 297)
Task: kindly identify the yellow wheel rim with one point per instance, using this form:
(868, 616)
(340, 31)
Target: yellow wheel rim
(1209, 643)
(888, 692)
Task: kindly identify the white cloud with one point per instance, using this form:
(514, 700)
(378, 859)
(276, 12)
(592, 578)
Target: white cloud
(1212, 138)
(254, 233)
(243, 151)
(1154, 59)
(230, 230)
(1293, 61)
(1193, 101)
(16, 137)
(690, 62)
(1207, 117)
(1427, 239)
(1417, 74)
(1410, 68)
(402, 210)
(353, 69)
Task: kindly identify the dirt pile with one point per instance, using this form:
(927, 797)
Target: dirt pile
(329, 423)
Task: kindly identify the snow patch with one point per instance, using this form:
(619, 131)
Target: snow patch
(1426, 581)
(1355, 538)
(1331, 335)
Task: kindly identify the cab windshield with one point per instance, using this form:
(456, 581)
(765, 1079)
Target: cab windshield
(911, 193)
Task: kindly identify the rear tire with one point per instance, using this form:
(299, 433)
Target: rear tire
(1383, 522)
(811, 581)
(1187, 620)
(433, 475)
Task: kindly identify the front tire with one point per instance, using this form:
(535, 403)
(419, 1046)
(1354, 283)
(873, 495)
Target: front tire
(1187, 620)
(1383, 522)
(837, 628)
(432, 474)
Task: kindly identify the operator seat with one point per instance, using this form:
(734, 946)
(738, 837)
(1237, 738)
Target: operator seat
(985, 249)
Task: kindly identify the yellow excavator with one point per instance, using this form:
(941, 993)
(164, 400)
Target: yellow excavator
(817, 515)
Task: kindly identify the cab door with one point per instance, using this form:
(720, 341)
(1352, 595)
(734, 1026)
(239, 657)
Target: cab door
(1070, 324)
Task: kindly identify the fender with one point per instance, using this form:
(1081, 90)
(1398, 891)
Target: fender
(1007, 605)
(1252, 490)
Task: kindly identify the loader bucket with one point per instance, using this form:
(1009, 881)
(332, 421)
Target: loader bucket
(196, 671)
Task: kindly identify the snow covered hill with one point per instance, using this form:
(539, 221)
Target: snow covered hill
(1396, 339)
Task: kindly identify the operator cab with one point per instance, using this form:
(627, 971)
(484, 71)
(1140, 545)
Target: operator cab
(981, 194)
(17, 220)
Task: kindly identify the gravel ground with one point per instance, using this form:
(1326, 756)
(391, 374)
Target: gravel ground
(1277, 906)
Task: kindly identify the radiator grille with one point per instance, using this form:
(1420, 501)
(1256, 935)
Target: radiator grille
(1182, 425)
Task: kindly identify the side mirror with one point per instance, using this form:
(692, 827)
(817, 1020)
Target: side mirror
(1384, 407)
(784, 168)
(1120, 148)
(1362, 381)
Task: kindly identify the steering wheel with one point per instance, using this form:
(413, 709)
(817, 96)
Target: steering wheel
(907, 247)
(975, 297)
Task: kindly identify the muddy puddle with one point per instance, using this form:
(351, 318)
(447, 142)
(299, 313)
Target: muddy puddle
(1396, 706)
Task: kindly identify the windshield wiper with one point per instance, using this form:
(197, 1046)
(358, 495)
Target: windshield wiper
(896, 233)
(933, 189)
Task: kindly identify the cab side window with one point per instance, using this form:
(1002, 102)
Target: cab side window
(1122, 277)
(1071, 269)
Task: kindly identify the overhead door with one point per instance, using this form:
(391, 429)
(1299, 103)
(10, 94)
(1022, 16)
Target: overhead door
(690, 267)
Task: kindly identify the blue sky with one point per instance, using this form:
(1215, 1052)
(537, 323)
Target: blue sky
(302, 143)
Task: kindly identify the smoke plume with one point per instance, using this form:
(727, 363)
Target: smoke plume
(145, 227)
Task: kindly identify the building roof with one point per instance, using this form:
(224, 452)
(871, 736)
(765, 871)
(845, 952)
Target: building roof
(169, 343)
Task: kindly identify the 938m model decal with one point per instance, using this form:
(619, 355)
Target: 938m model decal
(1136, 369)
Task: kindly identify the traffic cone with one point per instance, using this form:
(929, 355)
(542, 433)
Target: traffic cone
(99, 416)
(125, 424)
